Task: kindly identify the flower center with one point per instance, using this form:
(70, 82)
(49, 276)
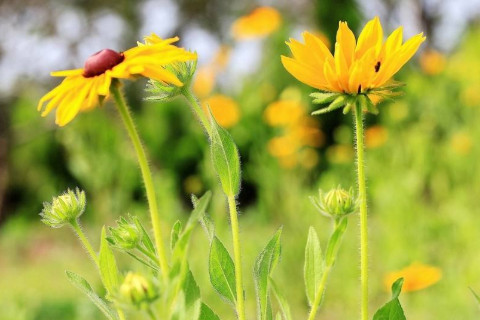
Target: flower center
(101, 61)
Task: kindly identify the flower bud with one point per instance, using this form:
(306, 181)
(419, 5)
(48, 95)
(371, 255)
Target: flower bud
(126, 235)
(336, 203)
(64, 209)
(137, 290)
(161, 91)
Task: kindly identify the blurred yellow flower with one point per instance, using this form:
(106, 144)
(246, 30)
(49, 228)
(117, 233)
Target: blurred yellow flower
(461, 143)
(222, 57)
(83, 89)
(306, 131)
(470, 95)
(261, 22)
(224, 109)
(375, 136)
(432, 62)
(417, 276)
(284, 112)
(356, 66)
(340, 153)
(204, 81)
(283, 146)
(308, 158)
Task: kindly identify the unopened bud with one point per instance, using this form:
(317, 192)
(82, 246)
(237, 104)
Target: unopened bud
(64, 209)
(336, 203)
(126, 235)
(137, 290)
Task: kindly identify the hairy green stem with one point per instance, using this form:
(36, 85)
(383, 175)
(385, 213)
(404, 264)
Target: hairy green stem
(147, 177)
(362, 193)
(319, 294)
(78, 230)
(197, 109)
(237, 256)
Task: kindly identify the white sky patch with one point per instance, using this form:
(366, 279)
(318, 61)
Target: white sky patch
(158, 16)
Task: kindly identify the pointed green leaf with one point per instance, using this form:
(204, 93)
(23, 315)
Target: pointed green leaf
(282, 302)
(264, 265)
(337, 103)
(477, 297)
(107, 265)
(392, 310)
(222, 271)
(323, 97)
(314, 265)
(225, 158)
(146, 240)
(334, 242)
(82, 285)
(367, 104)
(397, 288)
(191, 289)
(207, 314)
(175, 234)
(200, 206)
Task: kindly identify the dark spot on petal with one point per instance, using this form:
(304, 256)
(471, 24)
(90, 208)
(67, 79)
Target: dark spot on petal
(377, 66)
(359, 89)
(101, 61)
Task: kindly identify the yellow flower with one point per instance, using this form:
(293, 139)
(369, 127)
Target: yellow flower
(417, 276)
(224, 109)
(432, 62)
(83, 89)
(259, 23)
(461, 143)
(284, 112)
(204, 81)
(356, 66)
(375, 136)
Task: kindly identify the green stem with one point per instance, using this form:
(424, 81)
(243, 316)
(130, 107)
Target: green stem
(238, 261)
(78, 230)
(362, 193)
(121, 315)
(147, 177)
(151, 314)
(147, 253)
(197, 109)
(319, 294)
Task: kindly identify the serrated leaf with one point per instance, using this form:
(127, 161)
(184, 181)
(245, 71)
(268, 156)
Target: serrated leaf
(323, 97)
(334, 242)
(264, 265)
(225, 158)
(83, 285)
(222, 271)
(314, 265)
(207, 314)
(107, 265)
(175, 233)
(282, 302)
(392, 310)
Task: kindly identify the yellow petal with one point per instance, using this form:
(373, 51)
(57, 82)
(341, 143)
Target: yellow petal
(331, 78)
(341, 67)
(346, 39)
(302, 53)
(162, 75)
(67, 73)
(303, 73)
(371, 36)
(317, 48)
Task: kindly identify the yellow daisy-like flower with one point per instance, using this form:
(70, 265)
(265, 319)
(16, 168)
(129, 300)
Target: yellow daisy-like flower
(357, 66)
(83, 89)
(261, 22)
(224, 109)
(417, 276)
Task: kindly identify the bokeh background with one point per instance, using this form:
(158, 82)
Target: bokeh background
(422, 150)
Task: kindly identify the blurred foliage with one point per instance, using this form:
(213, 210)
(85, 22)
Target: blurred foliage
(422, 163)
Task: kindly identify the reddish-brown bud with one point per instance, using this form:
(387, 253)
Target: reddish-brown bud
(101, 61)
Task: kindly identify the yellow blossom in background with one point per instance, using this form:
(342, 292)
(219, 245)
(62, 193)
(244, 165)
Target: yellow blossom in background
(375, 137)
(308, 158)
(284, 112)
(261, 22)
(283, 146)
(356, 66)
(432, 62)
(461, 143)
(417, 276)
(83, 89)
(340, 153)
(222, 57)
(471, 95)
(204, 81)
(306, 131)
(224, 109)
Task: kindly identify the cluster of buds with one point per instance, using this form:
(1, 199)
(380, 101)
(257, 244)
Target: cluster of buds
(64, 209)
(138, 291)
(127, 235)
(336, 203)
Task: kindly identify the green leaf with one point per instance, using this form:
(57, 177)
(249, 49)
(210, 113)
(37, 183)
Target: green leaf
(175, 234)
(334, 242)
(207, 314)
(146, 240)
(205, 221)
(200, 206)
(222, 271)
(107, 265)
(191, 289)
(477, 297)
(225, 158)
(82, 285)
(323, 97)
(314, 265)
(366, 104)
(264, 265)
(282, 302)
(392, 310)
(143, 261)
(339, 102)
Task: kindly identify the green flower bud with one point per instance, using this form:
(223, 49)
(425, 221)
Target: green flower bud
(64, 209)
(136, 290)
(336, 203)
(165, 91)
(126, 235)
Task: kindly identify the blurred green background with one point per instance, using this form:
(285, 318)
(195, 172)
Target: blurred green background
(422, 151)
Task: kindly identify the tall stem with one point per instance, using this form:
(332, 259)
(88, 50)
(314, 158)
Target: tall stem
(78, 230)
(147, 177)
(362, 193)
(197, 109)
(238, 261)
(319, 294)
